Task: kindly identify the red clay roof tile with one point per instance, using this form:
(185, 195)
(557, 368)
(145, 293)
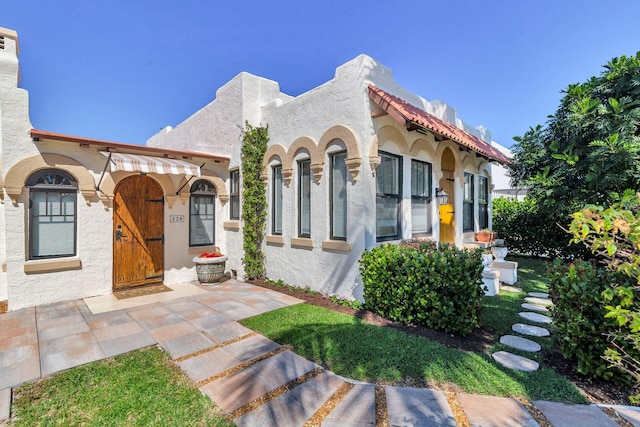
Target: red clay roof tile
(413, 117)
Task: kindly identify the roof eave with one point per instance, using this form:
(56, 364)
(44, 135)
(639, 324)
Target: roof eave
(119, 146)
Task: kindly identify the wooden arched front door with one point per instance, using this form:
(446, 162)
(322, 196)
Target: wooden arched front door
(447, 183)
(138, 233)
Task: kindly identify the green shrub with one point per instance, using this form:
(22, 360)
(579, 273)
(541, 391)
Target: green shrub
(529, 230)
(435, 286)
(579, 315)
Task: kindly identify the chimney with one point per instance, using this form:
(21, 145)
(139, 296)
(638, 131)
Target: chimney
(9, 51)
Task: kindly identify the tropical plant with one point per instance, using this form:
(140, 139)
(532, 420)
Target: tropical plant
(613, 234)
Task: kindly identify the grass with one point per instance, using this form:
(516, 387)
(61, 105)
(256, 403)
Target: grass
(354, 349)
(138, 388)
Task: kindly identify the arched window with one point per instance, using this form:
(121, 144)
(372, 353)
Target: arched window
(202, 214)
(52, 214)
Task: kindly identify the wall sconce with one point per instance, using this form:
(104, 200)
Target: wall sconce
(441, 196)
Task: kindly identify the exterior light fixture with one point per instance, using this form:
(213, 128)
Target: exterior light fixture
(441, 196)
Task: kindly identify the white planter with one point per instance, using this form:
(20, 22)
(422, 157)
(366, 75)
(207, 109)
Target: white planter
(486, 260)
(210, 270)
(499, 252)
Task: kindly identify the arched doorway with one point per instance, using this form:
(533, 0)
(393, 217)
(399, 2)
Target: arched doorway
(447, 221)
(138, 233)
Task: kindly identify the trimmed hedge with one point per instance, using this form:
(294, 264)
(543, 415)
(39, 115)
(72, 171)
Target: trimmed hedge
(435, 286)
(529, 230)
(579, 316)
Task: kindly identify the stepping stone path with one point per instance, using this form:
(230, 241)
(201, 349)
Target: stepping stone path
(537, 302)
(534, 331)
(538, 294)
(519, 343)
(535, 317)
(535, 307)
(516, 362)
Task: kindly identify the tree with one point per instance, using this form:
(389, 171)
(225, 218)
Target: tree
(590, 147)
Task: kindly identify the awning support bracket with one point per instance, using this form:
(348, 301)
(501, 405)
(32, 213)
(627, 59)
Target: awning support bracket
(103, 172)
(189, 180)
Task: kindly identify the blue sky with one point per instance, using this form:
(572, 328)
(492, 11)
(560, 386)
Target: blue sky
(123, 69)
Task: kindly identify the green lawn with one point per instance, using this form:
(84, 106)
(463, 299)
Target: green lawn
(135, 389)
(354, 349)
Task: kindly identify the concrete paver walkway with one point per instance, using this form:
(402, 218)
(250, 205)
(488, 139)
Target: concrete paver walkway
(253, 379)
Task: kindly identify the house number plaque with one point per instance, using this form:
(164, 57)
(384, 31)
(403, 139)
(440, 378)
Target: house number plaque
(176, 218)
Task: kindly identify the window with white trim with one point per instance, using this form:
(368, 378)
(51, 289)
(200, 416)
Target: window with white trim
(421, 185)
(467, 203)
(388, 196)
(276, 200)
(304, 198)
(52, 214)
(202, 214)
(234, 194)
(338, 196)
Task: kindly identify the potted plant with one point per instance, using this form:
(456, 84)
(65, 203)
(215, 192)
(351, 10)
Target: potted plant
(485, 235)
(210, 267)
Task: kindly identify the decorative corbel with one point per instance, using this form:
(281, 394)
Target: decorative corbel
(184, 197)
(88, 195)
(286, 175)
(374, 162)
(264, 176)
(316, 169)
(106, 200)
(353, 165)
(224, 198)
(14, 194)
(171, 200)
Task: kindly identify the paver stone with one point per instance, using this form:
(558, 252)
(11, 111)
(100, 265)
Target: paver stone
(490, 411)
(535, 317)
(566, 415)
(535, 307)
(538, 301)
(357, 408)
(418, 407)
(519, 343)
(513, 361)
(534, 331)
(538, 294)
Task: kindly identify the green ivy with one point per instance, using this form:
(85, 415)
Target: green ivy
(436, 286)
(254, 198)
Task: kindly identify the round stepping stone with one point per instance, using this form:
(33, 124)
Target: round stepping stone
(535, 317)
(538, 301)
(513, 361)
(520, 343)
(510, 288)
(535, 307)
(538, 294)
(534, 331)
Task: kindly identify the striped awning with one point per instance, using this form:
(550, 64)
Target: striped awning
(147, 164)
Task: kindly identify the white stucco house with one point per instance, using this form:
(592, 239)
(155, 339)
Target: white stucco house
(351, 163)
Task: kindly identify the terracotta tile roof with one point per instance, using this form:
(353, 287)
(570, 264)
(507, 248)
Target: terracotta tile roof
(414, 118)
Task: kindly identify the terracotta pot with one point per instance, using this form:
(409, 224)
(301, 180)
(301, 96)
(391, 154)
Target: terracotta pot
(484, 237)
